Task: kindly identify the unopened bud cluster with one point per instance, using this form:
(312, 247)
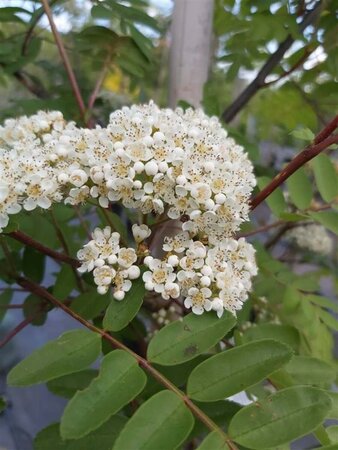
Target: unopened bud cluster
(312, 237)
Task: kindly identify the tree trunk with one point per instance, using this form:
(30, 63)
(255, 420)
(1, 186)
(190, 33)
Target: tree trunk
(191, 35)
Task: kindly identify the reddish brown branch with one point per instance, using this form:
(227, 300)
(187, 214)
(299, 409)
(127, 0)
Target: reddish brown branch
(65, 59)
(96, 90)
(306, 155)
(27, 240)
(36, 89)
(31, 28)
(326, 131)
(15, 331)
(261, 229)
(43, 293)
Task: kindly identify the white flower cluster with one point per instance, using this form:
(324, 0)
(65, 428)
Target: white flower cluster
(214, 277)
(165, 316)
(313, 237)
(174, 163)
(155, 160)
(112, 265)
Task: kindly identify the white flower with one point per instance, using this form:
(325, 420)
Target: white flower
(78, 177)
(198, 300)
(87, 256)
(171, 290)
(126, 257)
(140, 232)
(160, 274)
(217, 305)
(104, 275)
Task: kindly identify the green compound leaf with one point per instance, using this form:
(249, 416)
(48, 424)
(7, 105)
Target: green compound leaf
(120, 380)
(326, 177)
(308, 370)
(90, 304)
(300, 189)
(65, 282)
(33, 264)
(183, 340)
(327, 218)
(71, 352)
(213, 442)
(68, 385)
(275, 200)
(332, 432)
(280, 418)
(283, 333)
(162, 422)
(5, 299)
(33, 307)
(120, 313)
(333, 414)
(103, 438)
(234, 370)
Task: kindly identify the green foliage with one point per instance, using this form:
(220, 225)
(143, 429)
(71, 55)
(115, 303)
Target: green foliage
(163, 422)
(5, 298)
(326, 177)
(33, 264)
(34, 307)
(71, 352)
(67, 385)
(280, 418)
(282, 333)
(276, 200)
(120, 313)
(327, 218)
(234, 370)
(300, 189)
(214, 441)
(64, 282)
(309, 370)
(102, 438)
(184, 340)
(119, 381)
(90, 304)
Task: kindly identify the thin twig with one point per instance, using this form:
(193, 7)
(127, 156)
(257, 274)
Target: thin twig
(295, 66)
(82, 221)
(30, 30)
(27, 240)
(65, 60)
(43, 293)
(16, 330)
(97, 87)
(306, 155)
(231, 111)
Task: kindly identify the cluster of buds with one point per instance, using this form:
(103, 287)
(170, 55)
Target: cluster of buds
(313, 237)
